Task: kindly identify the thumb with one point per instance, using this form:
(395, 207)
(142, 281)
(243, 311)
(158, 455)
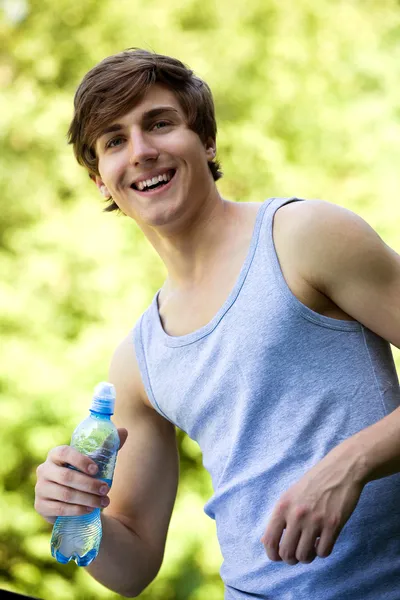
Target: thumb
(123, 434)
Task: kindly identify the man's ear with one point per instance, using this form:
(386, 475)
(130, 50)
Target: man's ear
(210, 149)
(100, 186)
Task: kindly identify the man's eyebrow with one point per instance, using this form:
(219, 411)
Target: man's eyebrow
(158, 110)
(150, 114)
(111, 129)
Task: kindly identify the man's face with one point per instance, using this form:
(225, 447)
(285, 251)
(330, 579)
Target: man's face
(153, 140)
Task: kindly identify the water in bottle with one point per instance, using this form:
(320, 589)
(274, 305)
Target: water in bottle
(78, 538)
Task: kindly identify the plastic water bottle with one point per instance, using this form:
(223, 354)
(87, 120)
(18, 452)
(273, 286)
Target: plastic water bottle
(78, 537)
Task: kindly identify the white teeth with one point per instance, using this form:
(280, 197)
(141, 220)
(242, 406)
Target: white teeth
(141, 185)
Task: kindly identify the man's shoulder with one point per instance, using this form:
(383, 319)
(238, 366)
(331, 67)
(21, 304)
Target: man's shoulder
(307, 216)
(314, 232)
(124, 369)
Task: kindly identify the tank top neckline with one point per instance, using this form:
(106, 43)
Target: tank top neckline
(194, 336)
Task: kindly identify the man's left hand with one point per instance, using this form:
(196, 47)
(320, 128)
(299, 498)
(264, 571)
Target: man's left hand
(313, 511)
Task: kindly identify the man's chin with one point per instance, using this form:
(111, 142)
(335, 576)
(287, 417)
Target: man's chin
(155, 212)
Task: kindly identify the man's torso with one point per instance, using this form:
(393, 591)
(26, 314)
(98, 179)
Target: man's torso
(266, 387)
(182, 313)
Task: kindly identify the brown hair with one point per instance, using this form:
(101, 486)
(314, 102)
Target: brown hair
(118, 82)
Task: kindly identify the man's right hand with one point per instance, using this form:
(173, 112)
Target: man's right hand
(61, 491)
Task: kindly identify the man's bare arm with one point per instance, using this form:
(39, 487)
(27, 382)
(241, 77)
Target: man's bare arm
(135, 524)
(144, 486)
(344, 258)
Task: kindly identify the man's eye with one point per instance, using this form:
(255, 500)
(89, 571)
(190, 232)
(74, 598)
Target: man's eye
(114, 142)
(160, 124)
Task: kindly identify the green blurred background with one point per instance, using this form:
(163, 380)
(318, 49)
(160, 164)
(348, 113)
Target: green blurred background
(308, 103)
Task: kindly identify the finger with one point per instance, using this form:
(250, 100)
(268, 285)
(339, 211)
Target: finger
(51, 509)
(326, 542)
(62, 455)
(288, 546)
(272, 537)
(73, 479)
(123, 434)
(67, 495)
(306, 548)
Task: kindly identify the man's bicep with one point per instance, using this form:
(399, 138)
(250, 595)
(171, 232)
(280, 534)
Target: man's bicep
(146, 479)
(147, 469)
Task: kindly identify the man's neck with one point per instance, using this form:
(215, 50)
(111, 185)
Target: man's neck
(191, 249)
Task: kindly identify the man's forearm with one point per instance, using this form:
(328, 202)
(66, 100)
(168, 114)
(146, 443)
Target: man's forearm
(377, 448)
(123, 564)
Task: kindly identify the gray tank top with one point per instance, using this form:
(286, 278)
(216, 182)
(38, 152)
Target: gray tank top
(267, 388)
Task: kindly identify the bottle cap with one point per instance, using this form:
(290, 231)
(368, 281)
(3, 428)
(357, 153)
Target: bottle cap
(103, 400)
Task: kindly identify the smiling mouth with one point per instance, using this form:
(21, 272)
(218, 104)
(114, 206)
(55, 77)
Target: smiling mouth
(157, 185)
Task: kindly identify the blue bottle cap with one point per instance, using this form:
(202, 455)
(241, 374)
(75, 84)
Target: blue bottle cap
(103, 400)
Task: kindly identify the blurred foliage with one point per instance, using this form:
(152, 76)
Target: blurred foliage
(307, 99)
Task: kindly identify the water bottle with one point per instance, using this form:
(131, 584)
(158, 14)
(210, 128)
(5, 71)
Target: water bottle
(78, 537)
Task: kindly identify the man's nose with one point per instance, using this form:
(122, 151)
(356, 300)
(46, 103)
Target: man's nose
(141, 149)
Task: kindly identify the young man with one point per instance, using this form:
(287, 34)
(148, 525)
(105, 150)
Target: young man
(268, 344)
